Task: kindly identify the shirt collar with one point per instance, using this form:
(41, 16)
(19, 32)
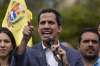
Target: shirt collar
(97, 62)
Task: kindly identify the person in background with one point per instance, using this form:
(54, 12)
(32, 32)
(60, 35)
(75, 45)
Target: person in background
(7, 47)
(89, 44)
(98, 28)
(49, 51)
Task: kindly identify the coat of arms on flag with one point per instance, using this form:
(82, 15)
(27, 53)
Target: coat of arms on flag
(16, 10)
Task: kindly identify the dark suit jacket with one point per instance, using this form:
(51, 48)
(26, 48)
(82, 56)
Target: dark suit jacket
(35, 57)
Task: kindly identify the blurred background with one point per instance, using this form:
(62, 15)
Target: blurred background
(76, 15)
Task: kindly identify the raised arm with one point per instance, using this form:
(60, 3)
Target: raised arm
(27, 33)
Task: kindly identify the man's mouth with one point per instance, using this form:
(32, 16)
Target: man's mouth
(47, 33)
(90, 51)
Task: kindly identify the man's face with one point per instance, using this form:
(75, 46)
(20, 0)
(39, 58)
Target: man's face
(89, 44)
(48, 27)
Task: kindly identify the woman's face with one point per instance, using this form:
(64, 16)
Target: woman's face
(5, 45)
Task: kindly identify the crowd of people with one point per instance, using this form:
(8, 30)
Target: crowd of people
(49, 51)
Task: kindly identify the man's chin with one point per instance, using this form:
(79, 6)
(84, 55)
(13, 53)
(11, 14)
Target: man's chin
(3, 55)
(90, 56)
(46, 38)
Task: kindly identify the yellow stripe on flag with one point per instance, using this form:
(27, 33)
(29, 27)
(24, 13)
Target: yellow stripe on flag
(17, 16)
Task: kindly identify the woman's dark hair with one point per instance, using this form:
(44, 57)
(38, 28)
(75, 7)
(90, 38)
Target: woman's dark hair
(9, 33)
(50, 10)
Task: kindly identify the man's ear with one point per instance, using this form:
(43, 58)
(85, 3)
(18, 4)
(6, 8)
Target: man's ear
(78, 46)
(60, 29)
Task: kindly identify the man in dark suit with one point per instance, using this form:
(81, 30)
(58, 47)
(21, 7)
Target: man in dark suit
(49, 52)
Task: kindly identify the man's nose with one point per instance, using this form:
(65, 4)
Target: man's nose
(90, 43)
(46, 25)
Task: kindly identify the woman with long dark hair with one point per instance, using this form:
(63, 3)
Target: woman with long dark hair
(7, 47)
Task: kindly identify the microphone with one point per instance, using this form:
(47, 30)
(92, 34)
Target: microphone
(49, 42)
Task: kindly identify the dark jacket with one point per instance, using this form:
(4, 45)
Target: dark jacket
(35, 57)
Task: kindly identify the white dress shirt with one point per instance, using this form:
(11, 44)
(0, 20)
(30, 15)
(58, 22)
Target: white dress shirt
(51, 61)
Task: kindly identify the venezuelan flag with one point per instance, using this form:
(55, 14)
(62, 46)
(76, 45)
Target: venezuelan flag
(17, 16)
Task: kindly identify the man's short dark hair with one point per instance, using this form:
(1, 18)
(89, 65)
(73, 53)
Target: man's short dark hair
(92, 30)
(50, 10)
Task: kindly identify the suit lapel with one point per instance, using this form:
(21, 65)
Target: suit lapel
(42, 56)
